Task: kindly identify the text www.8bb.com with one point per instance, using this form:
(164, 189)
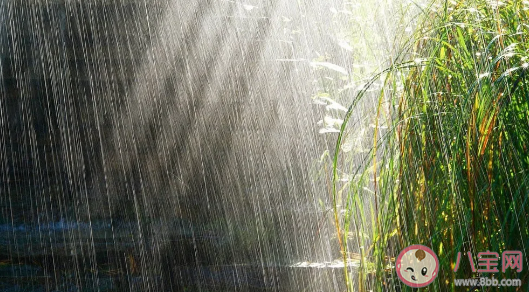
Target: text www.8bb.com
(487, 282)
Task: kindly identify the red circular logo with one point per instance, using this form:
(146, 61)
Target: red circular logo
(417, 266)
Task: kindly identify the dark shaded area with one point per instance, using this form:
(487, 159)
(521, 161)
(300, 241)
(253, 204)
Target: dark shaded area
(139, 150)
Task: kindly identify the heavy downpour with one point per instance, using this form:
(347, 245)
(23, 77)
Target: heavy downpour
(226, 145)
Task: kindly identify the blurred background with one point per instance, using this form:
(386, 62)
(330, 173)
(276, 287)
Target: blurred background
(180, 145)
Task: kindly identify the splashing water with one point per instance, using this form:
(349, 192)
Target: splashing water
(169, 145)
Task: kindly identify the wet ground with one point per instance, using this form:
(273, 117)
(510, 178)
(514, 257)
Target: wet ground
(63, 256)
(33, 277)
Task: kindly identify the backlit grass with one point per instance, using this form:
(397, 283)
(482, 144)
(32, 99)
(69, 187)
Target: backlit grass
(448, 160)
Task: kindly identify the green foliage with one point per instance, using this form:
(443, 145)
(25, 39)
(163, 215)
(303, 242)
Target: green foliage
(449, 162)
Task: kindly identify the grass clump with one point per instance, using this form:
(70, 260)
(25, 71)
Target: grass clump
(448, 165)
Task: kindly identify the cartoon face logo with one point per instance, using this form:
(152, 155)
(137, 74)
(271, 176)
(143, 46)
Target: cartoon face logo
(417, 266)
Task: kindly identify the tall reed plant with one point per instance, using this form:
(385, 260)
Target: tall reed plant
(448, 165)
